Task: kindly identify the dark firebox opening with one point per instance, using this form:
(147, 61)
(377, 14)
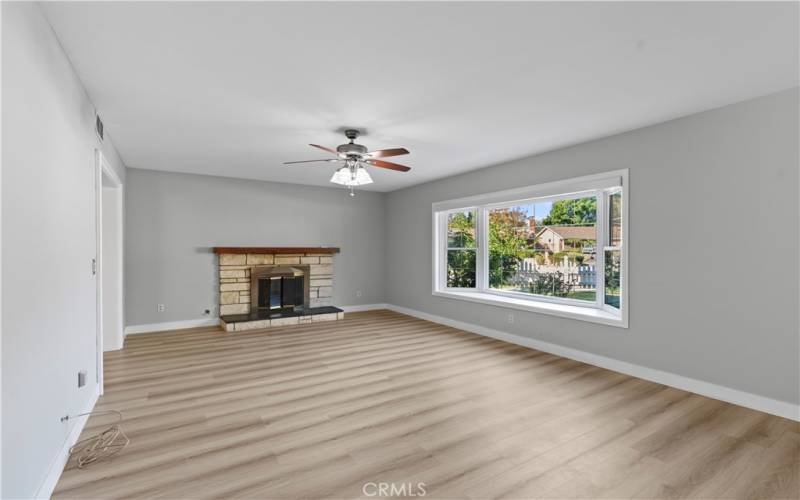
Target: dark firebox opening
(281, 292)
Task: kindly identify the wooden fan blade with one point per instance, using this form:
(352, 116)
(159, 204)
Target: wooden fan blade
(389, 165)
(384, 153)
(310, 161)
(329, 150)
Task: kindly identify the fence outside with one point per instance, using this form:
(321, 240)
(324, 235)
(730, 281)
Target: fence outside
(581, 277)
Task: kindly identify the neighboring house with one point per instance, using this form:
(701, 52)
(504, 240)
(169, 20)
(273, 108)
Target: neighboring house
(561, 238)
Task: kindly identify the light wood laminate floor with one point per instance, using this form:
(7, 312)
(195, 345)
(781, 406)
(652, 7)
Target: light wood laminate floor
(317, 411)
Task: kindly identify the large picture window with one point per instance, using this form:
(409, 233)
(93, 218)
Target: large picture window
(555, 248)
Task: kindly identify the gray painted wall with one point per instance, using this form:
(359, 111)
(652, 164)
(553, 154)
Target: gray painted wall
(48, 234)
(173, 220)
(713, 246)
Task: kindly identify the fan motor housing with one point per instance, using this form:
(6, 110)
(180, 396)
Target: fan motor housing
(351, 149)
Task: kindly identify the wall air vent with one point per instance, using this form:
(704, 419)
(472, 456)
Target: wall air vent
(98, 127)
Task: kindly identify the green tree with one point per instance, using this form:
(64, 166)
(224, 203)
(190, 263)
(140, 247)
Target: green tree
(461, 263)
(461, 268)
(461, 230)
(508, 244)
(575, 212)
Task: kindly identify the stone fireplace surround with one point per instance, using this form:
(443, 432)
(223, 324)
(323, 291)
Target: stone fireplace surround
(236, 265)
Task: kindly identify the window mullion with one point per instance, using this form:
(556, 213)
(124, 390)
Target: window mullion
(481, 259)
(443, 251)
(600, 249)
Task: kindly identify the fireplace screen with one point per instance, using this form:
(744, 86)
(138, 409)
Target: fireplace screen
(278, 288)
(280, 292)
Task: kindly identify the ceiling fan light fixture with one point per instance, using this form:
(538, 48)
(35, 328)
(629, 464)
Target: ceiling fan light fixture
(356, 176)
(355, 156)
(362, 176)
(341, 176)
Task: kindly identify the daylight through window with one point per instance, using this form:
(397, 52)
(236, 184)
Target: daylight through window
(461, 249)
(560, 243)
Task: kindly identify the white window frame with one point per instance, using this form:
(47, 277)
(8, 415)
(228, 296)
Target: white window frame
(599, 185)
(621, 248)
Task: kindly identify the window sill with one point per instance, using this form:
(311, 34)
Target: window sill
(563, 310)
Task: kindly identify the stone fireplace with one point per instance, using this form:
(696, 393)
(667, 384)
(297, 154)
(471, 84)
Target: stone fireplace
(274, 286)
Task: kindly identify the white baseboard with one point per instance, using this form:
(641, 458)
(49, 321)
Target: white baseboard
(57, 466)
(741, 398)
(171, 325)
(363, 307)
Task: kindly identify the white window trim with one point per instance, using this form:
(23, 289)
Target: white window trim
(597, 185)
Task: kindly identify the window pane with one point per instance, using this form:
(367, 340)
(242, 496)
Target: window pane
(545, 248)
(461, 229)
(509, 244)
(612, 277)
(615, 219)
(461, 268)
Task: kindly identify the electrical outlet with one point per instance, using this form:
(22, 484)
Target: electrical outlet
(162, 308)
(358, 293)
(81, 378)
(511, 318)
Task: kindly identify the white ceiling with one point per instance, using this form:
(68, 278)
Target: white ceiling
(235, 89)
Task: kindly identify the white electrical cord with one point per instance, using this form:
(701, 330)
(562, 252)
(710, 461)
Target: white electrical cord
(105, 444)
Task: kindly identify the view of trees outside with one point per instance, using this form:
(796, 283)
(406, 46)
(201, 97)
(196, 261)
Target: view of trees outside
(546, 248)
(461, 249)
(577, 212)
(525, 256)
(612, 277)
(509, 243)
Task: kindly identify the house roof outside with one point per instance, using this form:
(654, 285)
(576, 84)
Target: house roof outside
(572, 232)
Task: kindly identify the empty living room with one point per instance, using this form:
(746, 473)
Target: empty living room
(471, 250)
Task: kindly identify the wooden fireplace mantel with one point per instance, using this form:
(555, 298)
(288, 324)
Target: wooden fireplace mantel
(275, 250)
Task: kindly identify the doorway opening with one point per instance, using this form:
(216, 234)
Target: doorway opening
(109, 262)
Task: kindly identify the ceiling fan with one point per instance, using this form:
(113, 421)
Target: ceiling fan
(354, 156)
